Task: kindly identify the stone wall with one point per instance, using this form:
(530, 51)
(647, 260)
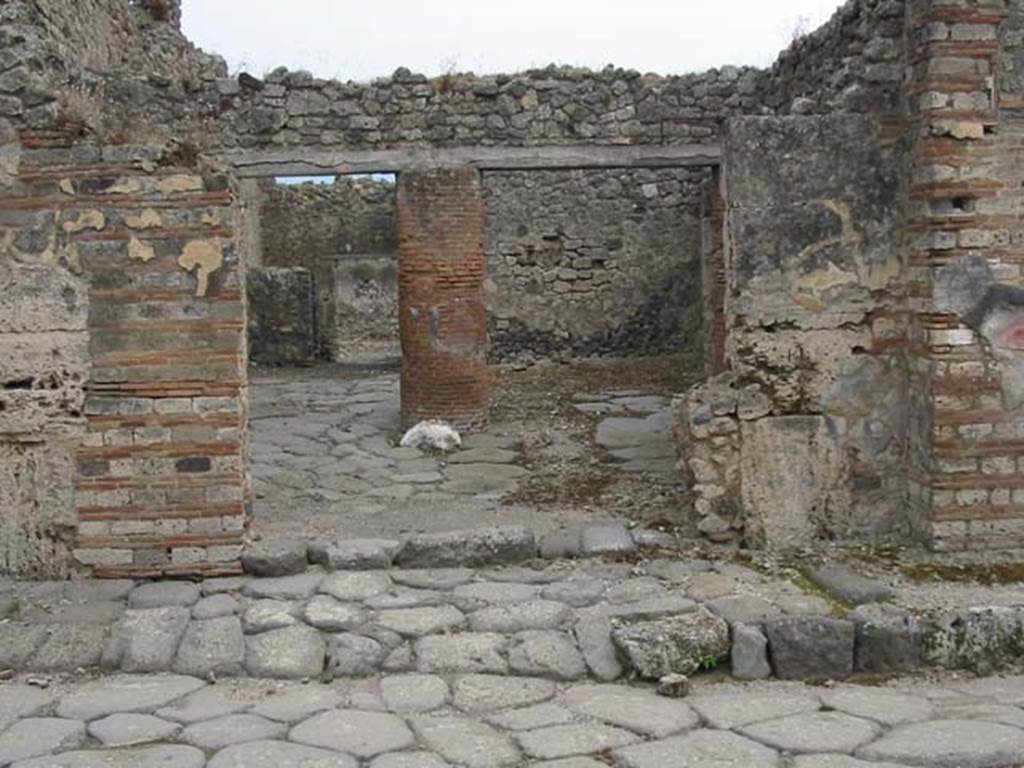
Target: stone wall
(282, 326)
(594, 262)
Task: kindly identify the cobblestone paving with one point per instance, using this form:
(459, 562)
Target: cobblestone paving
(483, 721)
(325, 457)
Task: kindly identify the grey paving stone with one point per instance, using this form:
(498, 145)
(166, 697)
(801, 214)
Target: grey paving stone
(571, 762)
(146, 640)
(516, 617)
(472, 597)
(475, 694)
(594, 639)
(418, 622)
(213, 735)
(639, 711)
(98, 590)
(298, 587)
(163, 756)
(883, 706)
(275, 557)
(128, 730)
(433, 578)
(69, 647)
(216, 606)
(18, 701)
(125, 693)
(464, 652)
(481, 478)
(409, 760)
(265, 615)
(837, 761)
(561, 544)
(298, 704)
(546, 653)
(744, 609)
(350, 655)
(213, 647)
(101, 613)
(292, 652)
(353, 586)
(277, 754)
(35, 736)
(749, 654)
(710, 586)
(356, 554)
(814, 732)
(485, 546)
(466, 742)
(652, 608)
(699, 749)
(734, 710)
(164, 594)
(972, 710)
(888, 639)
(18, 642)
(363, 734)
(224, 584)
(949, 744)
(405, 597)
(414, 694)
(575, 739)
(634, 590)
(330, 615)
(575, 592)
(849, 586)
(521, 574)
(1003, 689)
(672, 644)
(531, 718)
(810, 647)
(606, 539)
(205, 704)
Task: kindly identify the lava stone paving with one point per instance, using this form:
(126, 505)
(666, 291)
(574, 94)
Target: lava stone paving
(420, 720)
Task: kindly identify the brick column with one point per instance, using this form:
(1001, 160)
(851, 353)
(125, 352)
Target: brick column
(442, 318)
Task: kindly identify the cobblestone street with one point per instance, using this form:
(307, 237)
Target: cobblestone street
(483, 721)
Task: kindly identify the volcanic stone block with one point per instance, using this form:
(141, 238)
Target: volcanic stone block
(806, 647)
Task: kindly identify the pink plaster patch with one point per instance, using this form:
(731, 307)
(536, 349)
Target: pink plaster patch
(1012, 336)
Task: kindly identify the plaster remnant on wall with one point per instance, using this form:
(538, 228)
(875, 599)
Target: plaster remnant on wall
(204, 257)
(180, 183)
(148, 219)
(67, 186)
(140, 251)
(86, 220)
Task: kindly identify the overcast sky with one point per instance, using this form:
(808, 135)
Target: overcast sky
(362, 39)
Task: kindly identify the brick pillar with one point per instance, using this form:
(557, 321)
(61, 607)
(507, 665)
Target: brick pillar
(442, 318)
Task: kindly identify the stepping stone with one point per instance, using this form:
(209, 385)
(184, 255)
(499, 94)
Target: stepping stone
(276, 754)
(466, 652)
(414, 694)
(949, 744)
(125, 693)
(576, 739)
(127, 730)
(163, 756)
(290, 653)
(212, 647)
(475, 694)
(639, 711)
(484, 546)
(734, 710)
(363, 734)
(214, 735)
(466, 742)
(815, 732)
(700, 749)
(275, 557)
(37, 736)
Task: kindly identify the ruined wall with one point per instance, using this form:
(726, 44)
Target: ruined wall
(964, 244)
(282, 322)
(594, 262)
